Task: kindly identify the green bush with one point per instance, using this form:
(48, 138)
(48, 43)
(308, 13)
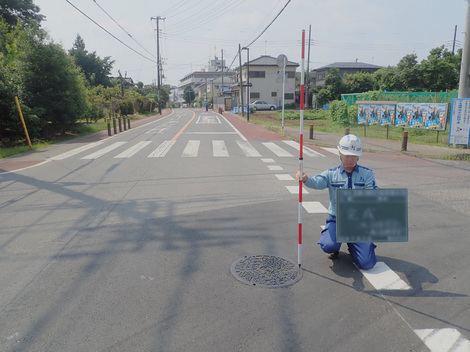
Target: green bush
(352, 113)
(339, 113)
(308, 115)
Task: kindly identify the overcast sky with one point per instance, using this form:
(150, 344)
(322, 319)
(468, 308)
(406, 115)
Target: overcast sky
(194, 31)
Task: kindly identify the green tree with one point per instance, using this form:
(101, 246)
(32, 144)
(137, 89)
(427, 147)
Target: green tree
(441, 70)
(188, 94)
(388, 78)
(358, 82)
(410, 73)
(96, 70)
(51, 85)
(24, 11)
(9, 122)
(332, 89)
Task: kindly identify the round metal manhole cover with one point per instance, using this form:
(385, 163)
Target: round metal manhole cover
(266, 271)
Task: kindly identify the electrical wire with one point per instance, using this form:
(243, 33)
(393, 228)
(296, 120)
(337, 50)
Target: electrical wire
(123, 28)
(269, 25)
(112, 35)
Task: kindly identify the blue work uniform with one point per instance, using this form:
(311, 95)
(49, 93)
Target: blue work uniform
(363, 254)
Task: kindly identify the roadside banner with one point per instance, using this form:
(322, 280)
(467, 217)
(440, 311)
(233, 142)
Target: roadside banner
(404, 115)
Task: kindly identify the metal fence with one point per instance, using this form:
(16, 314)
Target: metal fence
(401, 97)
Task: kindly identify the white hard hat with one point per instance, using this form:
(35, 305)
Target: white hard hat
(350, 145)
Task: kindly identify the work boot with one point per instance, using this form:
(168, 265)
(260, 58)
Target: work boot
(333, 256)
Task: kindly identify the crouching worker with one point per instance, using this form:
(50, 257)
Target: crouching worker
(347, 175)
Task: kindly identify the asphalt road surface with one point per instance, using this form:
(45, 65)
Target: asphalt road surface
(126, 244)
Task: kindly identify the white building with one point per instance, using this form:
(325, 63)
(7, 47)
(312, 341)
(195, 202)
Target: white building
(265, 81)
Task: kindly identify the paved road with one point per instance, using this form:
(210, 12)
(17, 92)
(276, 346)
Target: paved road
(126, 244)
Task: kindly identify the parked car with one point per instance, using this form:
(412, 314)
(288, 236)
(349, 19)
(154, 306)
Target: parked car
(262, 105)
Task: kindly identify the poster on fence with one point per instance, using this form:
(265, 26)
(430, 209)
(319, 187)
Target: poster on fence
(376, 113)
(422, 116)
(459, 129)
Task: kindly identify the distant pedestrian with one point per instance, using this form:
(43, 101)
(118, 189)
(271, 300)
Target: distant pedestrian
(348, 175)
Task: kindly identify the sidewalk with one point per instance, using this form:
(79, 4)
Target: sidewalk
(374, 145)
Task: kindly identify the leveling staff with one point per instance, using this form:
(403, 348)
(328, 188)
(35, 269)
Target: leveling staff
(348, 175)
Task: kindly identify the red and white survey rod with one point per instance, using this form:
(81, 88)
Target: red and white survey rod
(301, 156)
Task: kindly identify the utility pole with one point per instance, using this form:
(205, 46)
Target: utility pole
(222, 52)
(455, 35)
(464, 84)
(247, 83)
(241, 79)
(157, 20)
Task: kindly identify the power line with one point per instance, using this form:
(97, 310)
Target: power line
(269, 25)
(112, 35)
(122, 28)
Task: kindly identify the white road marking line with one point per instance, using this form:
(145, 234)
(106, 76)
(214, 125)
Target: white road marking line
(230, 124)
(295, 189)
(219, 149)
(275, 167)
(76, 151)
(103, 151)
(162, 149)
(133, 150)
(332, 150)
(284, 177)
(248, 149)
(267, 160)
(314, 207)
(384, 278)
(307, 151)
(209, 133)
(443, 340)
(277, 149)
(205, 119)
(191, 149)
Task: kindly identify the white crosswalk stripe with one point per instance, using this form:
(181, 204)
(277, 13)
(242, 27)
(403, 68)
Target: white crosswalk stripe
(192, 147)
(277, 149)
(219, 149)
(248, 149)
(162, 149)
(104, 151)
(443, 340)
(307, 151)
(133, 150)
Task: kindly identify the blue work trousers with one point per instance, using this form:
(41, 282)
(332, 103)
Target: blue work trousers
(363, 254)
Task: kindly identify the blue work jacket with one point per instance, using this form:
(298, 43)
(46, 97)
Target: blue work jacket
(360, 178)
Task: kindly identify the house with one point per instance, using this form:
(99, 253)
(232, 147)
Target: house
(318, 75)
(210, 83)
(265, 81)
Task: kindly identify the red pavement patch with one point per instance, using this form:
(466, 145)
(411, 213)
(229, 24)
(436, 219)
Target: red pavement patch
(9, 166)
(252, 132)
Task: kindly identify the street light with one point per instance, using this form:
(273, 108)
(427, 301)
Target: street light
(247, 83)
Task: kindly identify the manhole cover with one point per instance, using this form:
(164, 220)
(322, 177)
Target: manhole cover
(266, 271)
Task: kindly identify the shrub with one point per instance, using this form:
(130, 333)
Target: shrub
(339, 113)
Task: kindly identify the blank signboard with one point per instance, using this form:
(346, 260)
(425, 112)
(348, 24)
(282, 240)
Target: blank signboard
(372, 215)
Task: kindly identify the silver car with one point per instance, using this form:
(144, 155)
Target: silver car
(262, 105)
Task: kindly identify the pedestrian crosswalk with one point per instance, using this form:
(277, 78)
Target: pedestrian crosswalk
(217, 148)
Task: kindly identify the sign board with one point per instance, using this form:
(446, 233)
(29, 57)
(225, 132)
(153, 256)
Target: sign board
(427, 116)
(405, 115)
(459, 130)
(376, 113)
(372, 215)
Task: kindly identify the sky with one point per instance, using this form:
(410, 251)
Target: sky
(192, 32)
